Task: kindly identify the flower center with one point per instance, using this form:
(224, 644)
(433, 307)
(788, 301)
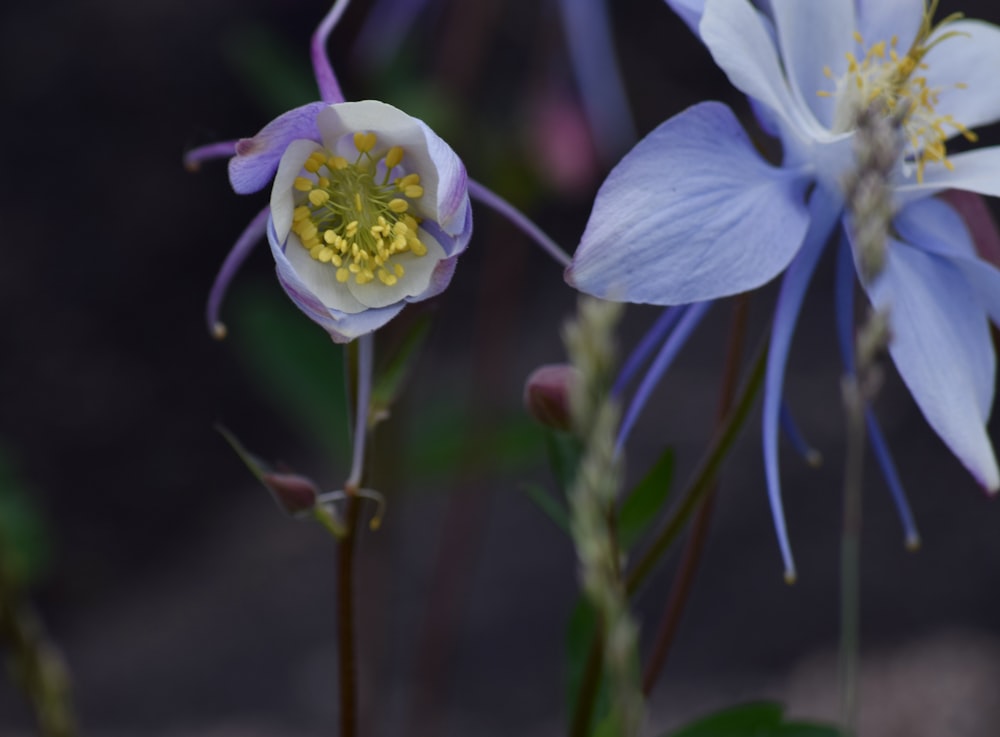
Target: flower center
(354, 215)
(882, 75)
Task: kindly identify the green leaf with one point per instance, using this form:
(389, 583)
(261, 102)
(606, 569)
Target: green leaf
(25, 541)
(391, 377)
(641, 507)
(555, 510)
(580, 635)
(564, 451)
(294, 364)
(763, 719)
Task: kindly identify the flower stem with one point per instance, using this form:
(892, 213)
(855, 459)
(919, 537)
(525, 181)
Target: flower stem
(706, 471)
(850, 555)
(359, 377)
(681, 588)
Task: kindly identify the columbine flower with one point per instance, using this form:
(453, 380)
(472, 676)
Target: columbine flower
(693, 213)
(369, 210)
(369, 207)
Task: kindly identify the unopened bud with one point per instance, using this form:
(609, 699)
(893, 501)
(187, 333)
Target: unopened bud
(546, 394)
(293, 493)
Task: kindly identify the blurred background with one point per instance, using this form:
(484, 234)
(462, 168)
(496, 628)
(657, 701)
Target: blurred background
(185, 603)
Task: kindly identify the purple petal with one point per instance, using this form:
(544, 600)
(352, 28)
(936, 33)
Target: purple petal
(223, 150)
(257, 158)
(249, 238)
(688, 322)
(692, 213)
(825, 211)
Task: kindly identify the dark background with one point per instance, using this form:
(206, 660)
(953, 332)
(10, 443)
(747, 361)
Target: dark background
(186, 604)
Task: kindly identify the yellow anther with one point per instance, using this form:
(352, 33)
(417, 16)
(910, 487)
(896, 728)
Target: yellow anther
(319, 197)
(858, 38)
(364, 142)
(393, 157)
(346, 217)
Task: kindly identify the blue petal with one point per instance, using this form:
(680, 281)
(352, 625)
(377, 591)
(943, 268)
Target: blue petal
(825, 210)
(692, 213)
(661, 329)
(689, 11)
(942, 348)
(686, 323)
(257, 158)
(249, 238)
(936, 227)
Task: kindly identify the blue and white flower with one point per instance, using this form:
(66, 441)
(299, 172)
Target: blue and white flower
(693, 213)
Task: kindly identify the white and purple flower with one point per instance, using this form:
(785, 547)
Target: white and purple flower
(369, 207)
(693, 213)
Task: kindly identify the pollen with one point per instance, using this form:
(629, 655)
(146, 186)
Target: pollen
(356, 217)
(885, 74)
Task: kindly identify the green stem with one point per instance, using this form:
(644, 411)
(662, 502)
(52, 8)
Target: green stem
(34, 661)
(681, 588)
(706, 473)
(850, 556)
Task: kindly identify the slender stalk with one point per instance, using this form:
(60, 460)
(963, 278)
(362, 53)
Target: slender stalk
(706, 472)
(347, 662)
(681, 588)
(360, 356)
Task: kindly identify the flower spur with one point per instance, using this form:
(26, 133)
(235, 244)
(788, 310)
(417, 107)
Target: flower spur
(693, 213)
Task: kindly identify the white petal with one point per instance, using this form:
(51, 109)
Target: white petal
(283, 192)
(738, 39)
(971, 58)
(880, 20)
(814, 35)
(418, 271)
(973, 171)
(442, 174)
(942, 347)
(690, 214)
(320, 278)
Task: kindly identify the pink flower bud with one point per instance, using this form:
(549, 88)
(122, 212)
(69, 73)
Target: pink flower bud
(293, 493)
(546, 394)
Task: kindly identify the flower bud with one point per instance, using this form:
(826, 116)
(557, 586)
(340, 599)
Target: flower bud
(546, 394)
(293, 493)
